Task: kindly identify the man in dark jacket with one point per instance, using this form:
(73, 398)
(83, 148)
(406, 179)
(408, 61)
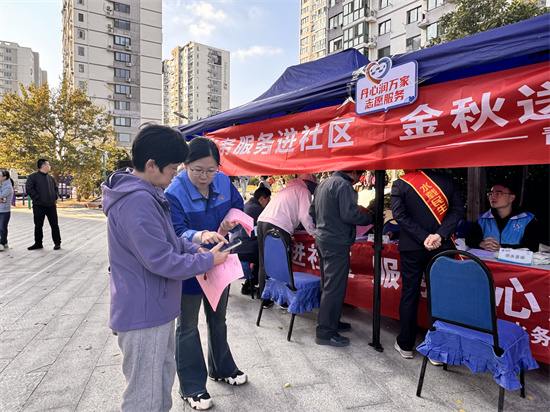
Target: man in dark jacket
(43, 191)
(427, 206)
(336, 213)
(248, 252)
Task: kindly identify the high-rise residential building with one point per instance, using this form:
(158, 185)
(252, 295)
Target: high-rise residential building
(195, 83)
(313, 30)
(19, 65)
(115, 50)
(379, 28)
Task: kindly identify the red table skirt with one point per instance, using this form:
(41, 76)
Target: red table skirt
(521, 291)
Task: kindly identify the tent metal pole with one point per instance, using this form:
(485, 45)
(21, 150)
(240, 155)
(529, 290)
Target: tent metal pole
(378, 225)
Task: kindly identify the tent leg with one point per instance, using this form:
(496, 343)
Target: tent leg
(378, 225)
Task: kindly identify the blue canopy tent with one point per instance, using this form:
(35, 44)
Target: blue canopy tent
(331, 81)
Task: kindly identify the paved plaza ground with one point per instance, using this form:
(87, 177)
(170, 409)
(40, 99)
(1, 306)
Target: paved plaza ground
(58, 354)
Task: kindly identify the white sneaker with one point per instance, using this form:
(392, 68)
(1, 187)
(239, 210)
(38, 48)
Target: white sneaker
(239, 378)
(435, 363)
(407, 354)
(1, 247)
(6, 246)
(200, 402)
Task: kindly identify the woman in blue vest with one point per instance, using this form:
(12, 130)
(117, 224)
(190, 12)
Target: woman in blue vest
(200, 197)
(504, 225)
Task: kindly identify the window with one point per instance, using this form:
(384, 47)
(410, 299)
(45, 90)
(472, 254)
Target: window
(80, 17)
(336, 44)
(304, 20)
(122, 24)
(123, 8)
(336, 21)
(123, 137)
(80, 51)
(354, 11)
(384, 52)
(123, 121)
(81, 85)
(7, 50)
(384, 3)
(432, 31)
(384, 27)
(80, 1)
(432, 4)
(122, 105)
(121, 89)
(8, 66)
(82, 34)
(7, 58)
(81, 68)
(414, 15)
(413, 43)
(123, 57)
(123, 41)
(355, 35)
(7, 74)
(122, 73)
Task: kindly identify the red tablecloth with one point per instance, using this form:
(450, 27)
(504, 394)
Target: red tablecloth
(522, 292)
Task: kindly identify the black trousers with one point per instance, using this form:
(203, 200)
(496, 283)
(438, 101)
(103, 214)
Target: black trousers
(413, 266)
(334, 267)
(40, 213)
(263, 227)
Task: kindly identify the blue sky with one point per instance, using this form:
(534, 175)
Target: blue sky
(261, 35)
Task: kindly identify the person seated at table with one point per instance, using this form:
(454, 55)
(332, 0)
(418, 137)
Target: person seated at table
(285, 212)
(504, 225)
(248, 251)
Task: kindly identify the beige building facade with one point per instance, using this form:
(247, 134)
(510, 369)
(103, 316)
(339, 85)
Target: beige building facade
(115, 50)
(19, 65)
(196, 83)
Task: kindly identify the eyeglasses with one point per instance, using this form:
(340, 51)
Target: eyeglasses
(498, 193)
(200, 172)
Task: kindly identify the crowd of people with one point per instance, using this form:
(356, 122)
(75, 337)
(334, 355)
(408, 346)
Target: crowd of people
(165, 225)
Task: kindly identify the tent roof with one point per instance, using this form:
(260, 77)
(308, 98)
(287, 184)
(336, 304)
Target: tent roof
(325, 82)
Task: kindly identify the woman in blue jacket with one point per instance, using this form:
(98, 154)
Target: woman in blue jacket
(200, 197)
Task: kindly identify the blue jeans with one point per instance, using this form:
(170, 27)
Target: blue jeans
(4, 219)
(190, 362)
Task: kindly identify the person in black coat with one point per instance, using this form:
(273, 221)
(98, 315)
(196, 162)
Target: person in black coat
(422, 237)
(42, 189)
(248, 251)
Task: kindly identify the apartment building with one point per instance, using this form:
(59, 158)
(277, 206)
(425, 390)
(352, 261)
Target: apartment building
(19, 65)
(313, 30)
(115, 50)
(196, 83)
(376, 28)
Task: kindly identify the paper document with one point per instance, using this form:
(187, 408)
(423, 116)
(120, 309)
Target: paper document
(236, 215)
(216, 280)
(361, 230)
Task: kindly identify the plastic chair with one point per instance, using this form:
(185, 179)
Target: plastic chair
(464, 329)
(301, 291)
(462, 228)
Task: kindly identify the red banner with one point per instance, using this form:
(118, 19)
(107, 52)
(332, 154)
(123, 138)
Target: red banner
(521, 291)
(494, 119)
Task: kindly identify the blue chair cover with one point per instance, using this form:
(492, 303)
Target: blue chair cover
(278, 286)
(456, 345)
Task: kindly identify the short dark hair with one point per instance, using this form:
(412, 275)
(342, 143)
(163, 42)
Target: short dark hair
(262, 191)
(201, 147)
(509, 183)
(161, 143)
(41, 162)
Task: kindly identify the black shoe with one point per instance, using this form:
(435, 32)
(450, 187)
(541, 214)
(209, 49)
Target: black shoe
(245, 289)
(344, 327)
(266, 303)
(57, 246)
(336, 340)
(35, 246)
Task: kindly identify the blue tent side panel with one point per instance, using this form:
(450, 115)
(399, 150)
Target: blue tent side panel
(327, 81)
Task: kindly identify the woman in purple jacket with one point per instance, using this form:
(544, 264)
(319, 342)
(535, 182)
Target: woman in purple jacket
(148, 262)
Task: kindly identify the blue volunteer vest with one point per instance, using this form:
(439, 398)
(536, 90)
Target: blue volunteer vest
(513, 231)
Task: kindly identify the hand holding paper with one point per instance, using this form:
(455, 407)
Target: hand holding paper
(216, 280)
(238, 216)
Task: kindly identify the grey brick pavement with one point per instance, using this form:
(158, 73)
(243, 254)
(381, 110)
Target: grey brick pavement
(57, 353)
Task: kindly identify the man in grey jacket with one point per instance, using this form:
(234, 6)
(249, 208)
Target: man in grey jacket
(42, 189)
(336, 213)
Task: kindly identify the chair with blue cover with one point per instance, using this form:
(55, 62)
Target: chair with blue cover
(463, 325)
(301, 291)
